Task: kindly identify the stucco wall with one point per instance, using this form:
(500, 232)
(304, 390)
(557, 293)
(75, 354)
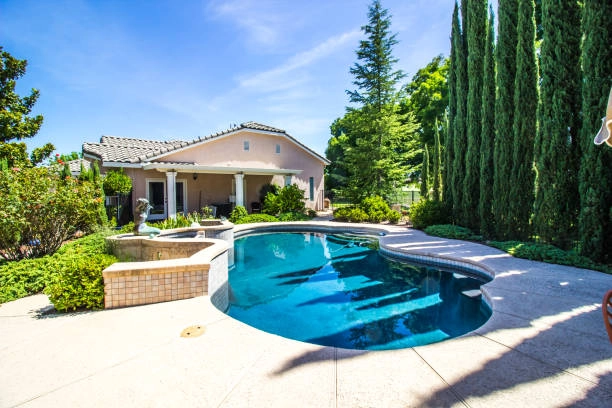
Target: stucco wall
(229, 151)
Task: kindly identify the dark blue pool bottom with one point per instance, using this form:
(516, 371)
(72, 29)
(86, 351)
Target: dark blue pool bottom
(337, 291)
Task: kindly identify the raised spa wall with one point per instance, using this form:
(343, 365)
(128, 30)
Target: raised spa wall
(170, 266)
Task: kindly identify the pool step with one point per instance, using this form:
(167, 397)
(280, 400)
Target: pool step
(472, 294)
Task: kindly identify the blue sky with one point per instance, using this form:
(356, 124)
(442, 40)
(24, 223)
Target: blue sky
(164, 70)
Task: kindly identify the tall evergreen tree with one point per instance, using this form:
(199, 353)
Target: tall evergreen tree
(556, 147)
(425, 175)
(460, 134)
(450, 178)
(487, 144)
(15, 120)
(505, 62)
(595, 220)
(525, 122)
(476, 36)
(377, 159)
(437, 166)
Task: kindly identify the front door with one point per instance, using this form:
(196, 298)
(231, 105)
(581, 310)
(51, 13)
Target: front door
(156, 194)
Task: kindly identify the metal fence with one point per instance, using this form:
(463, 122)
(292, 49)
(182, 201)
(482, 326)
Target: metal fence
(402, 198)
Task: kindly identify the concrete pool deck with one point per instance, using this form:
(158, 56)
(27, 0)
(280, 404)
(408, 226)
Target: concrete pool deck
(544, 346)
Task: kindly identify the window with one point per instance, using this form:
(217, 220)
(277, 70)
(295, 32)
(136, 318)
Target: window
(246, 145)
(311, 181)
(277, 149)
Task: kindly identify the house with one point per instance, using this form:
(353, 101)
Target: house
(224, 169)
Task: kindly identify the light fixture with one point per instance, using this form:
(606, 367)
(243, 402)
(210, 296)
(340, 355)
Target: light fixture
(195, 176)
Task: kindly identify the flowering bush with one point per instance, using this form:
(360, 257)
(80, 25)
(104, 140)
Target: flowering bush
(40, 210)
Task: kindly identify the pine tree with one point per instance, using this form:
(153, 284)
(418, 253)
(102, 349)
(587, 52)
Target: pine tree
(476, 36)
(488, 133)
(525, 121)
(377, 160)
(556, 147)
(460, 135)
(505, 62)
(437, 164)
(425, 175)
(450, 178)
(595, 179)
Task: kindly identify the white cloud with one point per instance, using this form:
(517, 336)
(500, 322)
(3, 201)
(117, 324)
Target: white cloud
(272, 78)
(263, 22)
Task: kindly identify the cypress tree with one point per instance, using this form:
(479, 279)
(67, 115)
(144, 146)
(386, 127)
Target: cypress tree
(488, 133)
(96, 171)
(65, 171)
(505, 62)
(595, 179)
(476, 36)
(556, 147)
(525, 121)
(450, 178)
(425, 174)
(437, 163)
(460, 135)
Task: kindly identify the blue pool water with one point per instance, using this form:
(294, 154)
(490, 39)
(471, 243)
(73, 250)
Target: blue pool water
(335, 290)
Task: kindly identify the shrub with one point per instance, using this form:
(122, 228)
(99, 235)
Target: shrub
(378, 210)
(237, 213)
(394, 216)
(452, 231)
(357, 215)
(375, 207)
(180, 221)
(30, 276)
(350, 214)
(79, 283)
(252, 218)
(117, 182)
(289, 199)
(371, 209)
(342, 213)
(40, 210)
(268, 188)
(428, 212)
(548, 253)
(293, 216)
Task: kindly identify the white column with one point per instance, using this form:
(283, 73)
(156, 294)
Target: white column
(171, 193)
(239, 189)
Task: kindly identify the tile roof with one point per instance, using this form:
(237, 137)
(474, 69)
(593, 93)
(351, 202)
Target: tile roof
(128, 150)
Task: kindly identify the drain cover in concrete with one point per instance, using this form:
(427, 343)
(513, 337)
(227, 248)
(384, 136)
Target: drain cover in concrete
(193, 331)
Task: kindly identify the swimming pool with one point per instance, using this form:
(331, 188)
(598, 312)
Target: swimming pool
(337, 290)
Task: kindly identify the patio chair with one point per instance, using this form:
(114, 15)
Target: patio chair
(606, 307)
(255, 207)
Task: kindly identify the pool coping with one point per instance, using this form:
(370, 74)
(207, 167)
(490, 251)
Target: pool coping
(545, 345)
